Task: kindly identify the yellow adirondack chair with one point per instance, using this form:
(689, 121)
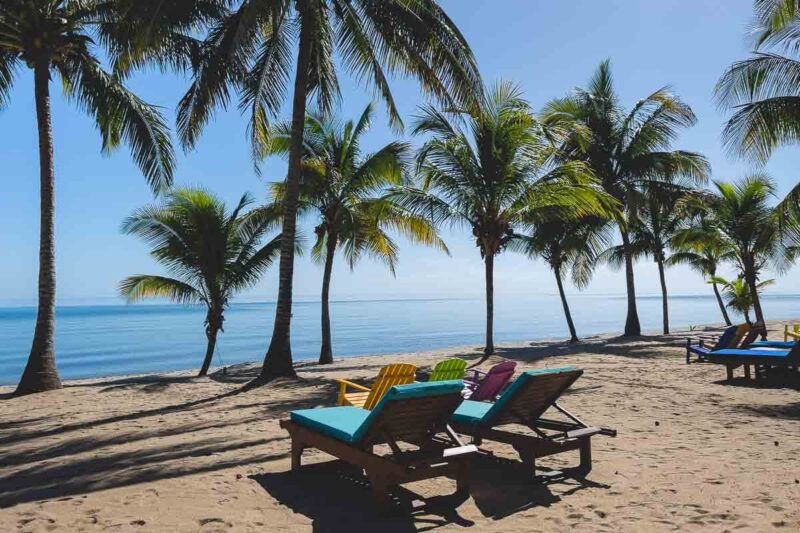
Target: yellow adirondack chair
(366, 398)
(791, 335)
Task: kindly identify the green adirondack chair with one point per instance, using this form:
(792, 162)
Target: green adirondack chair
(449, 369)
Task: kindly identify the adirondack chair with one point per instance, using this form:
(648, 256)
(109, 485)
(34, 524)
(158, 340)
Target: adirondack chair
(487, 388)
(416, 413)
(448, 369)
(791, 334)
(368, 398)
(532, 394)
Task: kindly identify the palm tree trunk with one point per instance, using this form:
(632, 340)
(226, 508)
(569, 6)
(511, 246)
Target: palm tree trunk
(721, 305)
(750, 277)
(664, 298)
(489, 263)
(213, 325)
(632, 326)
(573, 336)
(278, 360)
(40, 373)
(326, 352)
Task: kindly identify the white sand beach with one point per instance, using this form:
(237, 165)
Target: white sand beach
(177, 453)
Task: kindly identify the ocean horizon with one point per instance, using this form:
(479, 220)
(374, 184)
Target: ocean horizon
(113, 339)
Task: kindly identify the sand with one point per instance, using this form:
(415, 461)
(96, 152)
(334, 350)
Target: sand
(178, 453)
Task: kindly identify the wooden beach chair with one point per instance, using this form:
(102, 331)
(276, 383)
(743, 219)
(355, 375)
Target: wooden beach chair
(730, 338)
(524, 403)
(791, 334)
(414, 413)
(368, 398)
(485, 386)
(448, 369)
(762, 359)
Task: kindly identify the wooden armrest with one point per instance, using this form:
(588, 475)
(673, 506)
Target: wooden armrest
(344, 384)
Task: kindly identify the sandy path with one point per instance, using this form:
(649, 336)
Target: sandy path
(175, 453)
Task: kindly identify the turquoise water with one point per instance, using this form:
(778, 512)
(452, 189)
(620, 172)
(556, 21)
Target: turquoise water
(123, 339)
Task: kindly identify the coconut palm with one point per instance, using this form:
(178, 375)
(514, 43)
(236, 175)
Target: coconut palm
(565, 245)
(627, 150)
(346, 190)
(210, 252)
(764, 90)
(739, 295)
(54, 38)
(703, 249)
(747, 224)
(250, 51)
(494, 173)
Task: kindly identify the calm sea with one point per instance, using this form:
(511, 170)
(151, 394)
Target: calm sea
(123, 339)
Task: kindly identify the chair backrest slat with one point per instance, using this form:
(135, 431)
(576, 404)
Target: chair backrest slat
(448, 369)
(388, 377)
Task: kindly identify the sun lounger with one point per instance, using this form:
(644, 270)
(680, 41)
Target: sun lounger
(414, 413)
(761, 358)
(729, 339)
(524, 403)
(368, 398)
(448, 369)
(486, 386)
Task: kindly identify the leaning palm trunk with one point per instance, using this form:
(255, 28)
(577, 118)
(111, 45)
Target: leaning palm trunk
(214, 320)
(721, 305)
(573, 336)
(750, 277)
(632, 327)
(40, 372)
(664, 297)
(278, 360)
(489, 262)
(326, 351)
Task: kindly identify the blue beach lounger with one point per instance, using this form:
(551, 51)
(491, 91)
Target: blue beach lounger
(524, 403)
(730, 338)
(413, 413)
(761, 358)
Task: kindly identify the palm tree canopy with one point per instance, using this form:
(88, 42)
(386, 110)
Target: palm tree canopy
(490, 166)
(575, 244)
(626, 150)
(764, 90)
(737, 292)
(209, 252)
(357, 196)
(701, 247)
(58, 34)
(249, 51)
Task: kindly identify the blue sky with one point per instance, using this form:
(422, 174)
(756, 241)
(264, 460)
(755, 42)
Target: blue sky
(547, 47)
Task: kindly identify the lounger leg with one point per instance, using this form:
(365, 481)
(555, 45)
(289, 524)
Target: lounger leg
(527, 457)
(586, 457)
(747, 372)
(297, 453)
(729, 369)
(462, 478)
(380, 486)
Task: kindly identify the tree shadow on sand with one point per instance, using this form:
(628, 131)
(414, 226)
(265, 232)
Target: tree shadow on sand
(335, 495)
(776, 379)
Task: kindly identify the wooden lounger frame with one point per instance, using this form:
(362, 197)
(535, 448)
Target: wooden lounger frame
(550, 436)
(417, 421)
(761, 364)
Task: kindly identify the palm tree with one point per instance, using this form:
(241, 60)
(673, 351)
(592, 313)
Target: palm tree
(763, 90)
(704, 250)
(494, 173)
(250, 51)
(212, 253)
(739, 294)
(53, 38)
(747, 224)
(652, 230)
(626, 150)
(566, 245)
(347, 190)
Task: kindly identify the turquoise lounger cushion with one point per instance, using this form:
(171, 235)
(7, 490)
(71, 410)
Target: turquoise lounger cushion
(751, 353)
(350, 424)
(470, 412)
(781, 345)
(475, 413)
(340, 423)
